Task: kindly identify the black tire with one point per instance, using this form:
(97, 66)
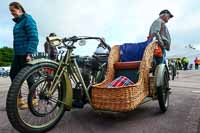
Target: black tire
(12, 108)
(163, 91)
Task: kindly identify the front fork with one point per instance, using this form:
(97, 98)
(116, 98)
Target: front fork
(62, 71)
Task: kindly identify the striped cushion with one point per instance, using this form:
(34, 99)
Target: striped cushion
(120, 82)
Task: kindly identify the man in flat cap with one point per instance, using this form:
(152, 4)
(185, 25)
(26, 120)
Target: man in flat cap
(159, 30)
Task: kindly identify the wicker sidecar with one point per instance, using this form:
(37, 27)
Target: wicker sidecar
(153, 83)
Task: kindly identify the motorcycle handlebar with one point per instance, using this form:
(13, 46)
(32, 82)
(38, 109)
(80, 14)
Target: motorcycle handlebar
(75, 39)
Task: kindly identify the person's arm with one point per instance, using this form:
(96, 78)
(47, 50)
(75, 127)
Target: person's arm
(155, 31)
(32, 36)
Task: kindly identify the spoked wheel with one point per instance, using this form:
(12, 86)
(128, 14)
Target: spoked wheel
(163, 89)
(29, 109)
(39, 103)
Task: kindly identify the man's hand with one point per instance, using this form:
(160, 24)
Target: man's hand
(28, 57)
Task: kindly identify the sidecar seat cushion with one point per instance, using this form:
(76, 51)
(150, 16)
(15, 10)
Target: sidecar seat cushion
(133, 51)
(132, 74)
(127, 65)
(120, 81)
(127, 69)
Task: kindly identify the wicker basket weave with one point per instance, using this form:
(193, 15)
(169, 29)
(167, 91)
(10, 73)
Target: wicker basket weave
(123, 99)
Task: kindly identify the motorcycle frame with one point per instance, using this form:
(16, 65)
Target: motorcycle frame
(69, 68)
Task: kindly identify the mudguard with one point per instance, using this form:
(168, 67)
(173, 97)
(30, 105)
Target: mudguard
(159, 74)
(69, 93)
(42, 60)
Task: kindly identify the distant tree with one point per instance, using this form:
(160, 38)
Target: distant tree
(6, 55)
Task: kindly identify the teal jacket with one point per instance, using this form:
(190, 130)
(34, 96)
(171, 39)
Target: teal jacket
(25, 35)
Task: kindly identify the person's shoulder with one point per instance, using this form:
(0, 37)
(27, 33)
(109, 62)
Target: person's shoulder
(29, 17)
(158, 20)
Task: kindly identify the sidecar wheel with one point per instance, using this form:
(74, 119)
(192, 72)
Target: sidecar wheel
(162, 80)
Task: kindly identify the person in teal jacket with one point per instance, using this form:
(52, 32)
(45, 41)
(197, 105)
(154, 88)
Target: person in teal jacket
(25, 40)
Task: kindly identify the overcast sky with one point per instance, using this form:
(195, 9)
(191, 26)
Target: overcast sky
(119, 21)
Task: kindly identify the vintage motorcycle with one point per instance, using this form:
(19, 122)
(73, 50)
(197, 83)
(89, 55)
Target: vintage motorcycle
(50, 88)
(46, 85)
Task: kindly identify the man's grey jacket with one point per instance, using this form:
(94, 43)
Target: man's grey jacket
(159, 29)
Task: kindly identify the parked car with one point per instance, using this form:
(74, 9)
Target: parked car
(3, 72)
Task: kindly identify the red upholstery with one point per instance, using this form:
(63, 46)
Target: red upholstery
(127, 65)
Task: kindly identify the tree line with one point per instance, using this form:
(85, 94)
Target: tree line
(6, 55)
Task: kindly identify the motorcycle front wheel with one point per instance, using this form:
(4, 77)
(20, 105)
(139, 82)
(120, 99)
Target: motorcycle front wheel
(28, 107)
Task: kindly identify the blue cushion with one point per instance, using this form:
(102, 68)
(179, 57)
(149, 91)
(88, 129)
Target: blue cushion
(133, 51)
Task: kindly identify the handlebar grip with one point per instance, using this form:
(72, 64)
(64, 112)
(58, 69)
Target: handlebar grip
(107, 46)
(73, 38)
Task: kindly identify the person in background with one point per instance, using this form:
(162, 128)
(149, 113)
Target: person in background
(185, 62)
(160, 31)
(178, 64)
(191, 66)
(51, 51)
(52, 54)
(196, 63)
(25, 42)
